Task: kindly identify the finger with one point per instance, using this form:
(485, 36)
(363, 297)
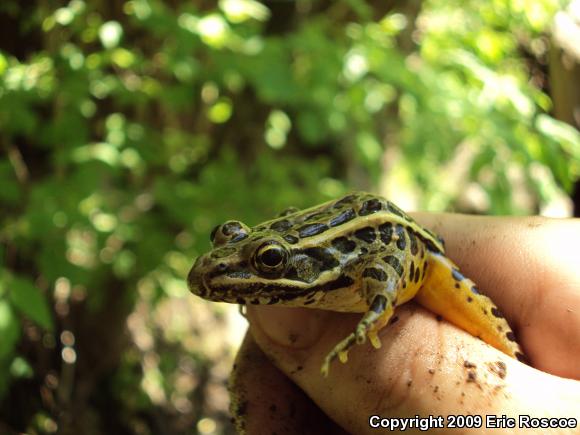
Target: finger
(424, 367)
(264, 400)
(530, 269)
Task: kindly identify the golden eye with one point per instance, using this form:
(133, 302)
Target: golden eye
(271, 258)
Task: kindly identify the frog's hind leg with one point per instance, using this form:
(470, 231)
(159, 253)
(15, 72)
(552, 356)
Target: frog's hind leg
(380, 289)
(448, 293)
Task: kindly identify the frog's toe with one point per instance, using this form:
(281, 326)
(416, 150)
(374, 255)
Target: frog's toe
(343, 356)
(374, 339)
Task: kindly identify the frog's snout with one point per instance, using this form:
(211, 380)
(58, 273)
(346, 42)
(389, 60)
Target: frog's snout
(195, 280)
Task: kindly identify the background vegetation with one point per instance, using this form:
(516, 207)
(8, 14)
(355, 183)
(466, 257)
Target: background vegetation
(129, 129)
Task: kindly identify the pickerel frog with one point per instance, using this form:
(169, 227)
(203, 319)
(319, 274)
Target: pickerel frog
(361, 254)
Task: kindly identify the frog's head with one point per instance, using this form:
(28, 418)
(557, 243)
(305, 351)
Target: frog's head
(261, 266)
(241, 265)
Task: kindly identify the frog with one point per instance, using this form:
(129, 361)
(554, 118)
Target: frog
(359, 254)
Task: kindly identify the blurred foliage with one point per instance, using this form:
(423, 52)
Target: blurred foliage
(129, 129)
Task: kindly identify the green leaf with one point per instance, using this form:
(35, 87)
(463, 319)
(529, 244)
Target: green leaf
(9, 330)
(10, 191)
(31, 302)
(310, 126)
(20, 368)
(3, 64)
(110, 34)
(566, 135)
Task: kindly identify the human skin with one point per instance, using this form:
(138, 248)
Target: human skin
(530, 267)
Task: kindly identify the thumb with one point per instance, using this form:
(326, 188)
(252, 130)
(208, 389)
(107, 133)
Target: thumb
(425, 367)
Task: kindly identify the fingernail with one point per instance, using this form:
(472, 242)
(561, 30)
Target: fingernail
(290, 327)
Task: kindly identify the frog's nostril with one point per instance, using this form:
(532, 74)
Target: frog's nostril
(221, 267)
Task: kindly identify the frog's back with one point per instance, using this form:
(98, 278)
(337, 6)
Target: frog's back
(319, 224)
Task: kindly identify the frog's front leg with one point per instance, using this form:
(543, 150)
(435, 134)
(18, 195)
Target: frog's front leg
(379, 314)
(380, 289)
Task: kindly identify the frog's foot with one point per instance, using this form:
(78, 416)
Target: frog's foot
(380, 311)
(340, 351)
(371, 331)
(364, 330)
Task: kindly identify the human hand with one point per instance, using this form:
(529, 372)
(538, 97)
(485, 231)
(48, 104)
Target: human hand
(529, 268)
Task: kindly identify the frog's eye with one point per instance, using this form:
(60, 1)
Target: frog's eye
(231, 231)
(271, 259)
